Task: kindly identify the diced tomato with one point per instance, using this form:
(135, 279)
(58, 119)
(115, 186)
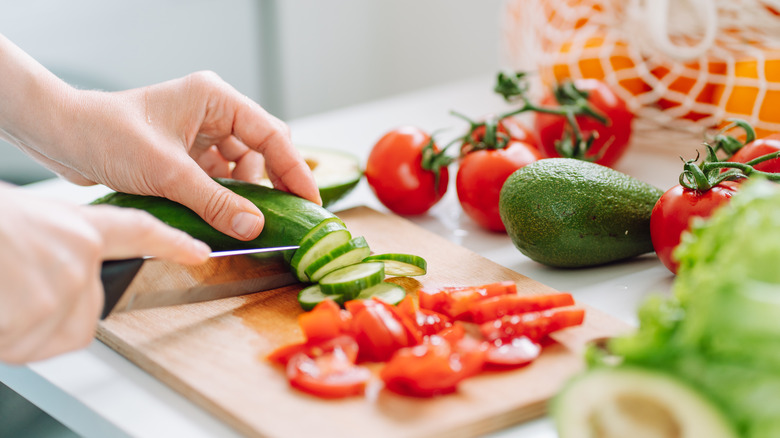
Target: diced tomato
(496, 307)
(433, 299)
(346, 344)
(534, 325)
(332, 374)
(515, 352)
(426, 322)
(456, 301)
(378, 330)
(327, 320)
(432, 368)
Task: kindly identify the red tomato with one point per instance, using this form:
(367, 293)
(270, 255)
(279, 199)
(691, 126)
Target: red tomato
(757, 148)
(395, 173)
(327, 320)
(496, 307)
(332, 374)
(673, 212)
(346, 344)
(613, 138)
(426, 322)
(513, 127)
(512, 353)
(434, 367)
(481, 175)
(534, 325)
(378, 329)
(455, 302)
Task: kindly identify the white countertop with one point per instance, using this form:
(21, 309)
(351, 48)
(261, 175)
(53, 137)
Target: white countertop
(96, 392)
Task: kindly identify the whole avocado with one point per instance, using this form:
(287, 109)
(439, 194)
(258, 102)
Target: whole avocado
(570, 213)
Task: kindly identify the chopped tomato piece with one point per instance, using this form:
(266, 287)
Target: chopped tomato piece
(426, 322)
(432, 368)
(534, 325)
(332, 374)
(456, 301)
(378, 329)
(515, 352)
(346, 344)
(327, 320)
(498, 306)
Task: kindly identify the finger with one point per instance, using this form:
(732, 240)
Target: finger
(226, 211)
(130, 233)
(268, 135)
(213, 163)
(249, 163)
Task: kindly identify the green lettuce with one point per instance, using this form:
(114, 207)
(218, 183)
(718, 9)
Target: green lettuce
(720, 329)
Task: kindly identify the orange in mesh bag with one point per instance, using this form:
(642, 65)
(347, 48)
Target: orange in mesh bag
(753, 92)
(682, 63)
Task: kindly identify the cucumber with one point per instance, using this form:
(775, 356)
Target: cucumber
(288, 217)
(312, 295)
(632, 402)
(348, 253)
(390, 293)
(319, 243)
(348, 281)
(401, 265)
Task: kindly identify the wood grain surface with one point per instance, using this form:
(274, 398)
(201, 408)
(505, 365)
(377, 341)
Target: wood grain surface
(213, 353)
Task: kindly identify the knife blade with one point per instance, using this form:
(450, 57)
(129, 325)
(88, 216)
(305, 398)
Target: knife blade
(147, 282)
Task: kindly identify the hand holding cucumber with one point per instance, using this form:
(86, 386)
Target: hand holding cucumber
(163, 140)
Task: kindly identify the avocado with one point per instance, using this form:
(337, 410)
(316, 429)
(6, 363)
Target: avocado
(571, 213)
(636, 402)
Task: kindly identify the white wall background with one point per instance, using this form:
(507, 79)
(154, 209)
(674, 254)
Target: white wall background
(295, 57)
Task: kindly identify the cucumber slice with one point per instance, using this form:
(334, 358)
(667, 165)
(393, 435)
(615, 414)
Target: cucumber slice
(390, 293)
(349, 253)
(319, 243)
(312, 295)
(350, 280)
(632, 402)
(401, 265)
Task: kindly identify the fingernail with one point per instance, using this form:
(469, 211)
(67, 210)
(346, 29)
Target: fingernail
(245, 224)
(200, 249)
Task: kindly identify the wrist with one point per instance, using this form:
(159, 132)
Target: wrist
(35, 101)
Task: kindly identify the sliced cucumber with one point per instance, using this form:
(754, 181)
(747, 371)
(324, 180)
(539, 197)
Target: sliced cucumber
(312, 295)
(633, 402)
(401, 265)
(350, 280)
(390, 293)
(348, 253)
(319, 243)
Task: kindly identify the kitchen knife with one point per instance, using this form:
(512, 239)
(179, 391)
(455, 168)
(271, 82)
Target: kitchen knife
(142, 283)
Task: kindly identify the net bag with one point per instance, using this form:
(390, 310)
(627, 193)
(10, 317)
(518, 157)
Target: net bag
(688, 64)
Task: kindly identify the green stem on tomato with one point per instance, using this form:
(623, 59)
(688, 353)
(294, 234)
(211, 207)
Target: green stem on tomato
(433, 161)
(572, 102)
(730, 145)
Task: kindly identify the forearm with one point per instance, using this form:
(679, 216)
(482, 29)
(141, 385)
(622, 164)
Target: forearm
(33, 101)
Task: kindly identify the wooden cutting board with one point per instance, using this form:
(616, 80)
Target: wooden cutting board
(213, 353)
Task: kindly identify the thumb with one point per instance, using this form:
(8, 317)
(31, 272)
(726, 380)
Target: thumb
(223, 209)
(127, 232)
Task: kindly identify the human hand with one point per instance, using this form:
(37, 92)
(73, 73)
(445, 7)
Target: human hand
(50, 258)
(155, 140)
(158, 140)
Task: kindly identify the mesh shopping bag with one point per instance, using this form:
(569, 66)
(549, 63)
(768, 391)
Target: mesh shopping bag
(680, 63)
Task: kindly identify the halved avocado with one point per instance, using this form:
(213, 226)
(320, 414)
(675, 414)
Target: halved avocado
(336, 172)
(636, 402)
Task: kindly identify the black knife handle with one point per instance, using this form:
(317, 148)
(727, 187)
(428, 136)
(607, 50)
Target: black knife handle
(116, 276)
